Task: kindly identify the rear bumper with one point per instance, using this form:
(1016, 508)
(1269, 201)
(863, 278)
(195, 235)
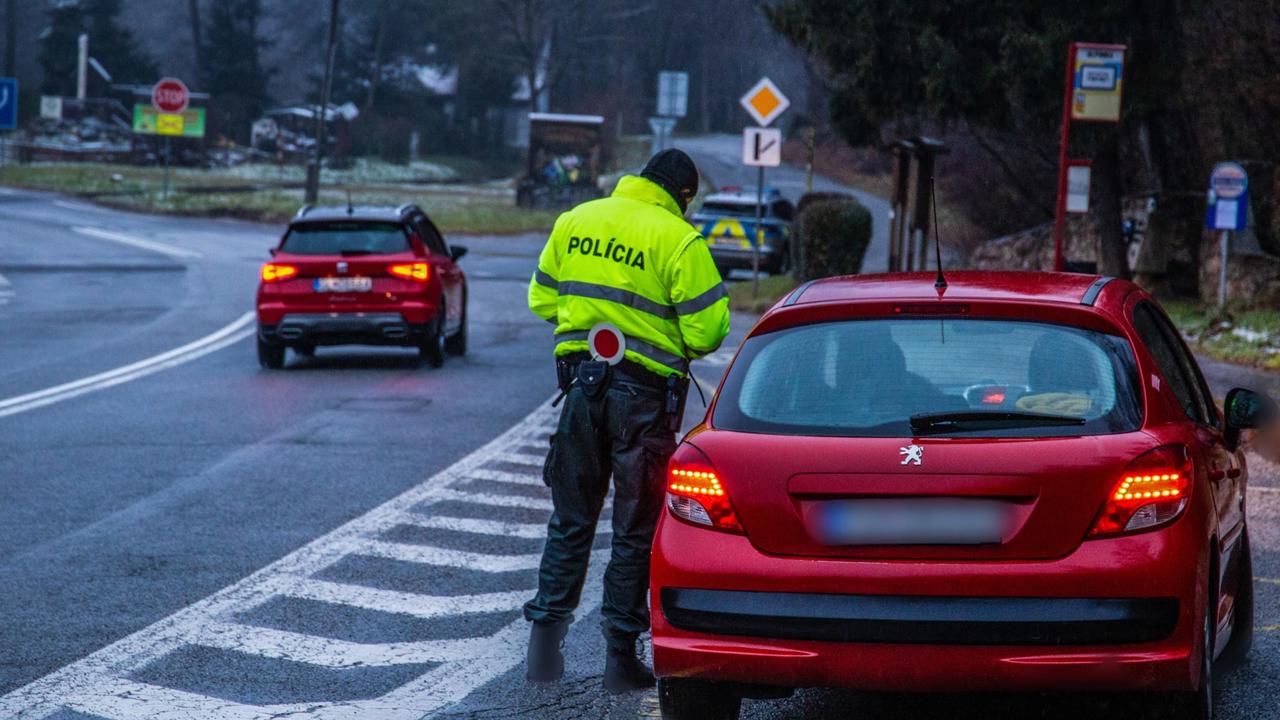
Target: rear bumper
(1115, 615)
(344, 329)
(920, 620)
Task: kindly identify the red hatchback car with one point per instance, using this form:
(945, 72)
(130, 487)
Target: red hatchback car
(1018, 482)
(363, 275)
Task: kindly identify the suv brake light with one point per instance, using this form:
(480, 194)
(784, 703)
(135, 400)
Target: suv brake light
(275, 272)
(418, 272)
(695, 495)
(1153, 491)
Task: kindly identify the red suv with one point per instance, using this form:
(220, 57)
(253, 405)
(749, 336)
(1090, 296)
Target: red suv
(1017, 482)
(363, 275)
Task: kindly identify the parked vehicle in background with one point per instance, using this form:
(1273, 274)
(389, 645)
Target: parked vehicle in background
(365, 276)
(1019, 481)
(727, 219)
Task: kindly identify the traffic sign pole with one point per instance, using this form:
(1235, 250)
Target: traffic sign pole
(755, 241)
(1224, 245)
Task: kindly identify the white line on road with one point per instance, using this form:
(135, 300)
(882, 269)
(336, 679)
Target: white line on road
(496, 500)
(226, 336)
(527, 531)
(78, 207)
(330, 652)
(403, 603)
(151, 245)
(102, 684)
(507, 477)
(428, 555)
(517, 458)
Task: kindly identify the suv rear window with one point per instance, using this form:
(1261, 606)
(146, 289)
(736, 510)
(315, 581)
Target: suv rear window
(867, 378)
(346, 238)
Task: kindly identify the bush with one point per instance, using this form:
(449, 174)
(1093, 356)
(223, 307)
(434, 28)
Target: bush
(831, 236)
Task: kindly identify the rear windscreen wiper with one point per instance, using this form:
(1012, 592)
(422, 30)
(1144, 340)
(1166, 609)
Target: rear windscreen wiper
(982, 420)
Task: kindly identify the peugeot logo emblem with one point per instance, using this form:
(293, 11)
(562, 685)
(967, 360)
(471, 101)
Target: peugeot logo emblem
(912, 454)
(342, 267)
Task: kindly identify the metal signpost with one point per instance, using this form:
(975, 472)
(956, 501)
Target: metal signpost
(169, 115)
(1228, 210)
(1092, 93)
(761, 147)
(8, 111)
(662, 128)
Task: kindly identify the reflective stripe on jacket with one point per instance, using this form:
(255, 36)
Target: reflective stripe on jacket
(631, 259)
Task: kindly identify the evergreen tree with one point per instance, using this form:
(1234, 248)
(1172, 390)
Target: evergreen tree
(232, 71)
(59, 51)
(116, 47)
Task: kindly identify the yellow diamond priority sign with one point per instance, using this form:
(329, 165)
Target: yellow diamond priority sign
(765, 102)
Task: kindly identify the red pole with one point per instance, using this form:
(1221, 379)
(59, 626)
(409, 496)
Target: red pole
(1060, 211)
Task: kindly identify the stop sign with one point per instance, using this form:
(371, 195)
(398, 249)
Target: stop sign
(169, 96)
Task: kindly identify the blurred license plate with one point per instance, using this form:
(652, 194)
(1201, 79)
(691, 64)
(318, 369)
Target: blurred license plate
(344, 284)
(924, 521)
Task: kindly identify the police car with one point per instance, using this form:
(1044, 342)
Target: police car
(727, 220)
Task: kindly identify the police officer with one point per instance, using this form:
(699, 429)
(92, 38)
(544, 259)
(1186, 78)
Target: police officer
(632, 261)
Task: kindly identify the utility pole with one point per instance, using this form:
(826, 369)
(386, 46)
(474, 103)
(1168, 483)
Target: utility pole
(82, 67)
(10, 68)
(313, 167)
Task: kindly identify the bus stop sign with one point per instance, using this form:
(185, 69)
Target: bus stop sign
(1228, 198)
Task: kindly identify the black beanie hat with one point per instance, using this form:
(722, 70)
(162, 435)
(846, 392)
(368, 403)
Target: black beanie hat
(675, 172)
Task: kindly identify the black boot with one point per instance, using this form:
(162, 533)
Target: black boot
(624, 671)
(545, 661)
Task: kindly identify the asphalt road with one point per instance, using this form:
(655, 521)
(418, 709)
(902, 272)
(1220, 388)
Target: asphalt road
(188, 536)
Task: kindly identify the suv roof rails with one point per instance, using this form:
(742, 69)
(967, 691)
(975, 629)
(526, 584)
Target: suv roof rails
(302, 211)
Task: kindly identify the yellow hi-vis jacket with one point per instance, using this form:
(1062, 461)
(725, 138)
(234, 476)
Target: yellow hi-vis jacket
(631, 259)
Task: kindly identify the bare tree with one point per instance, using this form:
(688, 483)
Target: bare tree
(530, 28)
(193, 11)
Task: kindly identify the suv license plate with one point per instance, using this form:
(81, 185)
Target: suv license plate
(343, 284)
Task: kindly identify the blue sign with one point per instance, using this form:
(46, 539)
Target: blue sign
(1228, 198)
(8, 103)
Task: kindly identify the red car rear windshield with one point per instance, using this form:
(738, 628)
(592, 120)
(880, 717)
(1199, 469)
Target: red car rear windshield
(346, 238)
(937, 377)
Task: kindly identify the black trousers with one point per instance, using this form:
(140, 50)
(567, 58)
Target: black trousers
(623, 433)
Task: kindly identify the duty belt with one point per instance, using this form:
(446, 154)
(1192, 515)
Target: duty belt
(627, 370)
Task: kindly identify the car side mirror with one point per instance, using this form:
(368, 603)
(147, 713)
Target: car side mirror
(1245, 410)
(273, 251)
(457, 251)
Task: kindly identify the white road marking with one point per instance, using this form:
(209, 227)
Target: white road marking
(528, 531)
(225, 337)
(151, 245)
(402, 603)
(515, 501)
(508, 477)
(5, 293)
(78, 207)
(328, 652)
(428, 555)
(100, 684)
(1267, 490)
(523, 459)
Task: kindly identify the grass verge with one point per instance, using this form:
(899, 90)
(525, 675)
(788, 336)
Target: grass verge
(772, 288)
(1237, 333)
(270, 194)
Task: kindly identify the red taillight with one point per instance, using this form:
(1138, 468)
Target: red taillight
(1153, 491)
(418, 272)
(275, 272)
(695, 494)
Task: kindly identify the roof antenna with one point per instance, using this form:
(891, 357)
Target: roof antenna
(940, 284)
(351, 210)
